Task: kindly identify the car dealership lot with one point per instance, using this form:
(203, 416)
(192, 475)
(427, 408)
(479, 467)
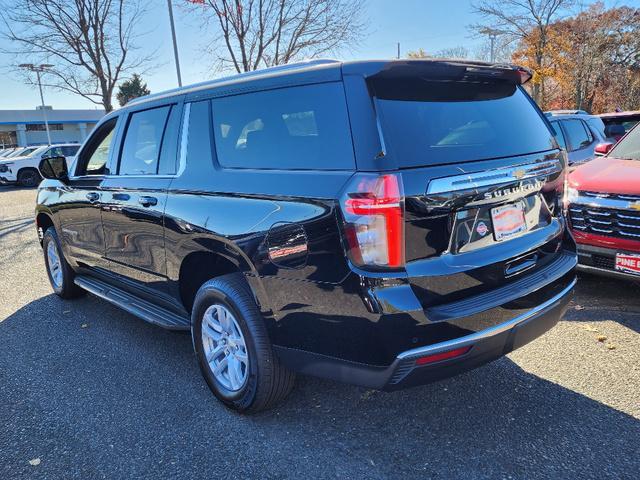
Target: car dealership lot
(92, 392)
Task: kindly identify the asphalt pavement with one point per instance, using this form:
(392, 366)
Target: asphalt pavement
(88, 391)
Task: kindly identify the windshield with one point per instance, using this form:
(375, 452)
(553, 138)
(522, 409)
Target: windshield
(629, 146)
(22, 153)
(430, 123)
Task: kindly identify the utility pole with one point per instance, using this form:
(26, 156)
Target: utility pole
(40, 69)
(493, 34)
(398, 55)
(175, 42)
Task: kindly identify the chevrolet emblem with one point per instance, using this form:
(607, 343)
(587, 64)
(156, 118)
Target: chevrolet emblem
(635, 206)
(519, 173)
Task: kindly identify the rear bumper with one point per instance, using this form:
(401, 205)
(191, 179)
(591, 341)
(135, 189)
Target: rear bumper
(486, 345)
(601, 261)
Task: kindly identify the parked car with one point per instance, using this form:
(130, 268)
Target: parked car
(604, 208)
(380, 223)
(619, 123)
(23, 168)
(20, 151)
(578, 134)
(6, 151)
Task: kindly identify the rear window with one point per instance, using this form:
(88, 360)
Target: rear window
(431, 123)
(296, 128)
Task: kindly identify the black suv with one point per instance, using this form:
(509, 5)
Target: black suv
(381, 223)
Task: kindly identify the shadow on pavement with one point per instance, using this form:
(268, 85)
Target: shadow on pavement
(94, 392)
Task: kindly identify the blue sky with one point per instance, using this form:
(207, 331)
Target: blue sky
(429, 24)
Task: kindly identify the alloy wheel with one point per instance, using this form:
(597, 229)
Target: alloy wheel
(225, 348)
(55, 265)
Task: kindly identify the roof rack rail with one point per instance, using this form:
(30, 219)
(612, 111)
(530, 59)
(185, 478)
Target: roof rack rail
(253, 73)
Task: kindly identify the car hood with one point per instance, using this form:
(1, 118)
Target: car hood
(607, 175)
(13, 159)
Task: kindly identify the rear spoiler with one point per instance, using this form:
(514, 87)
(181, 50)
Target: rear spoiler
(453, 70)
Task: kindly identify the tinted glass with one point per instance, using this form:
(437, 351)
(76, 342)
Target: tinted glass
(53, 152)
(168, 152)
(578, 136)
(557, 131)
(429, 123)
(141, 147)
(629, 147)
(198, 135)
(70, 151)
(96, 154)
(294, 128)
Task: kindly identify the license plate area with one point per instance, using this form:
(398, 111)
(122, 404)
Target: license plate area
(508, 221)
(628, 263)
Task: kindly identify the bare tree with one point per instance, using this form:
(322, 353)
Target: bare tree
(264, 33)
(528, 20)
(89, 42)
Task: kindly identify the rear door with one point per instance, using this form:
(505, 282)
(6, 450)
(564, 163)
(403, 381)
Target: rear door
(482, 176)
(134, 197)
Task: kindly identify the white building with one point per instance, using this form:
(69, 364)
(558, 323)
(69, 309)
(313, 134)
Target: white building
(26, 127)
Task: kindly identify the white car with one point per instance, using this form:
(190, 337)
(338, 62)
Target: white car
(23, 168)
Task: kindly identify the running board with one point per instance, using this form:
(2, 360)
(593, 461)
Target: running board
(140, 308)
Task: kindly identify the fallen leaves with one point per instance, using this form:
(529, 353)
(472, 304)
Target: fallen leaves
(601, 338)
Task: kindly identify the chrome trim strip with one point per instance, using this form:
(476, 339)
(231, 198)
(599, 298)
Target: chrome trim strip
(493, 177)
(604, 202)
(488, 332)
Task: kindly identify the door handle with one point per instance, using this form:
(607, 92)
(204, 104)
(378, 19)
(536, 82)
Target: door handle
(122, 197)
(147, 201)
(93, 197)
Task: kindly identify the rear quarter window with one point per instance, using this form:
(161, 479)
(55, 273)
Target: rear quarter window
(431, 123)
(295, 128)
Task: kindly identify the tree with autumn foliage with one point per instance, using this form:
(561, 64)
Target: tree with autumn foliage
(528, 23)
(592, 60)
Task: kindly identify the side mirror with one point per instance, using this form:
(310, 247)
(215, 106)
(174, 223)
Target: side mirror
(54, 168)
(603, 148)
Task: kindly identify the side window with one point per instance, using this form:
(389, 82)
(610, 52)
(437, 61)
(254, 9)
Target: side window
(141, 146)
(70, 151)
(578, 136)
(298, 128)
(559, 134)
(95, 155)
(53, 152)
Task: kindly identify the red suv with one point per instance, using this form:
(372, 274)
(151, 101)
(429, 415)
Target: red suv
(604, 209)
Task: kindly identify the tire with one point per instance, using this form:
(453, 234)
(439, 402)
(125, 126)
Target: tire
(261, 382)
(28, 177)
(61, 278)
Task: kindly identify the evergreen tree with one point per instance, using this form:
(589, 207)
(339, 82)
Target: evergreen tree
(130, 89)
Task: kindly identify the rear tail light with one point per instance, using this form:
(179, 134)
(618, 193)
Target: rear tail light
(373, 209)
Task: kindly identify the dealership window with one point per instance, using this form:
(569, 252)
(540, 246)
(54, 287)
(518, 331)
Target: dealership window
(40, 127)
